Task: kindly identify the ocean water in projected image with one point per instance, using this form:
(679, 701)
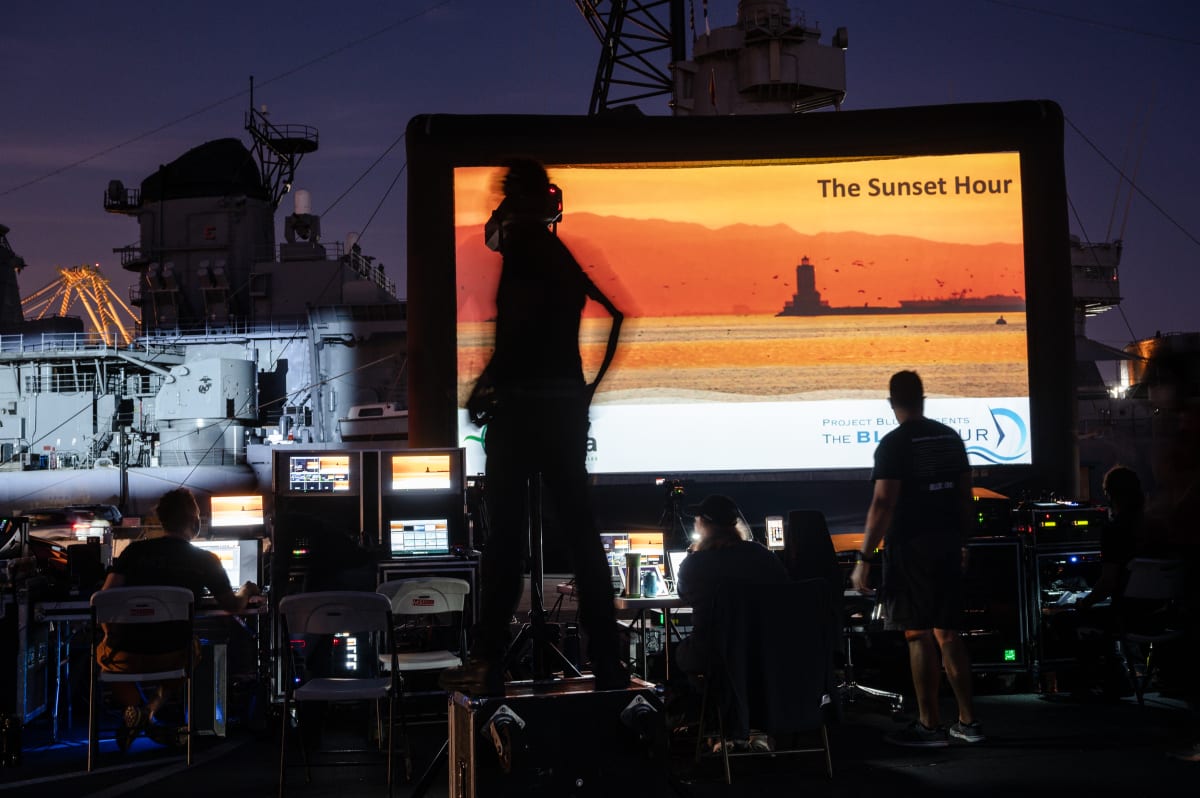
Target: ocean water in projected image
(762, 357)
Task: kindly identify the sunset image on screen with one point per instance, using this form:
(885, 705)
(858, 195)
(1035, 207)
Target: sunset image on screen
(767, 303)
(420, 472)
(237, 511)
(780, 280)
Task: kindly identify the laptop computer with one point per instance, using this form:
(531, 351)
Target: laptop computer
(674, 562)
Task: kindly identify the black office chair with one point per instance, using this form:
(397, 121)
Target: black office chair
(769, 667)
(808, 553)
(1155, 587)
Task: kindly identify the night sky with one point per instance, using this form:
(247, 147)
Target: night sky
(95, 92)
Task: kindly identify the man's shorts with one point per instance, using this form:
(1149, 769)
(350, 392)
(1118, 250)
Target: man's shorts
(921, 589)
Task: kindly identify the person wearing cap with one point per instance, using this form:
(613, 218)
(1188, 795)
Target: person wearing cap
(532, 402)
(723, 554)
(922, 506)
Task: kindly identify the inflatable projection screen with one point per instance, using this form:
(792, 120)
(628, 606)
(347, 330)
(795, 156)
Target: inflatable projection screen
(773, 272)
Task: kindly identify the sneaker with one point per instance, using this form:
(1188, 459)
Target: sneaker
(170, 736)
(918, 735)
(967, 732)
(1191, 754)
(760, 743)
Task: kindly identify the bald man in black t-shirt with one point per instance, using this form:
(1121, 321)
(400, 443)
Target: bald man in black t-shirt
(922, 506)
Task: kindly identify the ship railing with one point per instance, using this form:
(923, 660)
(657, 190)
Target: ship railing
(365, 267)
(60, 343)
(227, 328)
(50, 342)
(132, 254)
(362, 265)
(118, 198)
(195, 457)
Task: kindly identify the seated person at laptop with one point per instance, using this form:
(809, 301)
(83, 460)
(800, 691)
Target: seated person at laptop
(167, 560)
(725, 554)
(1090, 625)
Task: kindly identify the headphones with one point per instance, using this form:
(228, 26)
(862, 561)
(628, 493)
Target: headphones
(549, 213)
(493, 230)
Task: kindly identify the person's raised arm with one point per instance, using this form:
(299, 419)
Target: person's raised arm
(614, 331)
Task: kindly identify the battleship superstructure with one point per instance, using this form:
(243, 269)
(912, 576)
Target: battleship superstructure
(242, 342)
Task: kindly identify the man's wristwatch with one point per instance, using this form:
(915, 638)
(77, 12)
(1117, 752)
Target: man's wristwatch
(867, 557)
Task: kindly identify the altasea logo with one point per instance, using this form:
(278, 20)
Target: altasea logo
(481, 439)
(1010, 442)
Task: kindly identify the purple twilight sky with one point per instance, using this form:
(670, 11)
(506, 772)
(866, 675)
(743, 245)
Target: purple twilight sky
(97, 91)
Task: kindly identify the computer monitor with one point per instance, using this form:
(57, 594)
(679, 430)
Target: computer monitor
(419, 537)
(332, 473)
(239, 558)
(422, 470)
(237, 511)
(650, 546)
(775, 532)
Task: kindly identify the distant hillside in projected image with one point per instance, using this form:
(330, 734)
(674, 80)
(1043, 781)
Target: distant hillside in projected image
(658, 268)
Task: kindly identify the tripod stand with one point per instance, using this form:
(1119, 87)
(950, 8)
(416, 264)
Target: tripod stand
(675, 531)
(856, 621)
(536, 631)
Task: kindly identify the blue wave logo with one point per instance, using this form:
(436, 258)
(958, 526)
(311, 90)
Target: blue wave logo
(1012, 438)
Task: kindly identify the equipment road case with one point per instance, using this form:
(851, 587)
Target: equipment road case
(562, 739)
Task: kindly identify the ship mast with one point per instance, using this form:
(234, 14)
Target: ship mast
(278, 149)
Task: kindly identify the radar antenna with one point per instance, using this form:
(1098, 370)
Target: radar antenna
(278, 149)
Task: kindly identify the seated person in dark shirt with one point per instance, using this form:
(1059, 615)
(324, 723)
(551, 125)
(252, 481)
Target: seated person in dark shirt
(725, 554)
(1091, 625)
(167, 560)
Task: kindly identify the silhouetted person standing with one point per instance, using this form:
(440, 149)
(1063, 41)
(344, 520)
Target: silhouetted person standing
(534, 401)
(922, 505)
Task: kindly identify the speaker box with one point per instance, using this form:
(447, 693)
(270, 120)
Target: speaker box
(560, 739)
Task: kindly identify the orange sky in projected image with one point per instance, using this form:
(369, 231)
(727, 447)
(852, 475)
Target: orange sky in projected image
(726, 239)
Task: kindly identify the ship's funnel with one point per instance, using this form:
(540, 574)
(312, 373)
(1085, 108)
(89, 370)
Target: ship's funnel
(303, 201)
(351, 240)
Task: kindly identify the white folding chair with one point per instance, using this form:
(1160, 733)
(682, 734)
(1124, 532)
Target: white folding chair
(157, 604)
(428, 612)
(332, 613)
(1150, 580)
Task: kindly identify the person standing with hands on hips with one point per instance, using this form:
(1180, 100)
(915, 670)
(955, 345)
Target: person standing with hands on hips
(534, 401)
(922, 508)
